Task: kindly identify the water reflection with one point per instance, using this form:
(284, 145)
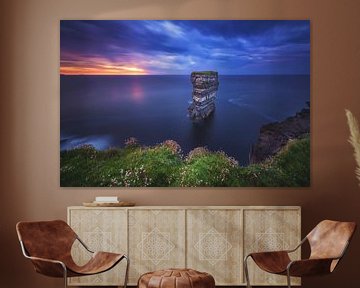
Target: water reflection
(201, 132)
(137, 92)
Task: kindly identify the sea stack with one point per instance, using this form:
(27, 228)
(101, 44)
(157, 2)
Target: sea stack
(205, 86)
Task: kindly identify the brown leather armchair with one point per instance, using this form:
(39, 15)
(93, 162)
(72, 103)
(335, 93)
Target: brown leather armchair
(48, 245)
(328, 242)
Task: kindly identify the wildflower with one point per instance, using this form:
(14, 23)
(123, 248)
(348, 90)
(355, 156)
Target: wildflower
(131, 142)
(197, 152)
(173, 146)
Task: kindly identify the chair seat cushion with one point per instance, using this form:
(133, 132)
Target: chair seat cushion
(176, 278)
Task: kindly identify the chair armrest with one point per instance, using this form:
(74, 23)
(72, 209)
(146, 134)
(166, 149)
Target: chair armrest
(298, 246)
(83, 244)
(268, 254)
(279, 251)
(45, 260)
(48, 267)
(309, 267)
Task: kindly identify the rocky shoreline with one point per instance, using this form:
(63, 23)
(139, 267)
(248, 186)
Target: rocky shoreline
(276, 135)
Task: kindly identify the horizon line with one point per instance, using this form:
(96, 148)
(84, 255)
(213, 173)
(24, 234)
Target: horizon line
(279, 74)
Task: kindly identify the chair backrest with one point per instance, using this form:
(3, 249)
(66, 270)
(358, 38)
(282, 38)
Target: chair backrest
(329, 239)
(46, 239)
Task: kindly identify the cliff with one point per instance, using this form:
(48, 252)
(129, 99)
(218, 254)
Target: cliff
(276, 135)
(205, 86)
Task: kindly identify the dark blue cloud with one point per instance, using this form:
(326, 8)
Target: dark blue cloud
(179, 47)
(237, 28)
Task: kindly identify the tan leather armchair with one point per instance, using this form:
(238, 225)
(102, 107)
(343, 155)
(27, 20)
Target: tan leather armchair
(328, 242)
(48, 245)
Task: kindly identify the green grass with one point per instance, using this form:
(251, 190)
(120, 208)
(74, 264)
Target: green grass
(289, 168)
(164, 165)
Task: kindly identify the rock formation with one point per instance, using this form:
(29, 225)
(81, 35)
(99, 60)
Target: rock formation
(205, 86)
(275, 135)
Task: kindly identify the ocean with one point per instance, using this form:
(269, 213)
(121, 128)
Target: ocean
(105, 110)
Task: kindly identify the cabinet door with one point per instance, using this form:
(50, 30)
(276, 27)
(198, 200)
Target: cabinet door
(156, 240)
(101, 230)
(271, 230)
(214, 244)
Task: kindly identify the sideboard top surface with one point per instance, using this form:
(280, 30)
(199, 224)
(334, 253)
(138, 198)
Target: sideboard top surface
(193, 207)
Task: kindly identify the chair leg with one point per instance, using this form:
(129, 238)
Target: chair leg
(127, 271)
(288, 278)
(246, 270)
(65, 276)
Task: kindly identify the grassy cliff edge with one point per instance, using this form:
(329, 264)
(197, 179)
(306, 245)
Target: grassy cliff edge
(164, 165)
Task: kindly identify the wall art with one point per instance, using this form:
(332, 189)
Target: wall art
(180, 103)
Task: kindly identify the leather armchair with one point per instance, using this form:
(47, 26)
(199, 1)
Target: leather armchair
(48, 245)
(328, 242)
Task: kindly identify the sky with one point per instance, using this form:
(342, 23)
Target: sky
(178, 47)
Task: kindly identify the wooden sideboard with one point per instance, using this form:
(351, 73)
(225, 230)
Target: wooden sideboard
(212, 239)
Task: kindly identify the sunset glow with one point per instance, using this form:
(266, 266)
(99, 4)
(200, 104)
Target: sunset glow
(102, 70)
(176, 47)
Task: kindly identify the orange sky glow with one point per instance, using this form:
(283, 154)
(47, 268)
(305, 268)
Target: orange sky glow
(103, 70)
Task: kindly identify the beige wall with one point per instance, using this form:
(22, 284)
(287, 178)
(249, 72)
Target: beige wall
(29, 118)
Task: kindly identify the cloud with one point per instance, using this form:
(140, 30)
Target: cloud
(179, 46)
(165, 27)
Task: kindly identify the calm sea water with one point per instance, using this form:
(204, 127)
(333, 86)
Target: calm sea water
(105, 110)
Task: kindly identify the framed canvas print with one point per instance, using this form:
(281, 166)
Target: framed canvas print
(179, 103)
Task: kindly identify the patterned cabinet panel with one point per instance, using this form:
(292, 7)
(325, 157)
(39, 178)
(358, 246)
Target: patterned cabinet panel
(214, 244)
(101, 230)
(210, 239)
(156, 240)
(267, 230)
